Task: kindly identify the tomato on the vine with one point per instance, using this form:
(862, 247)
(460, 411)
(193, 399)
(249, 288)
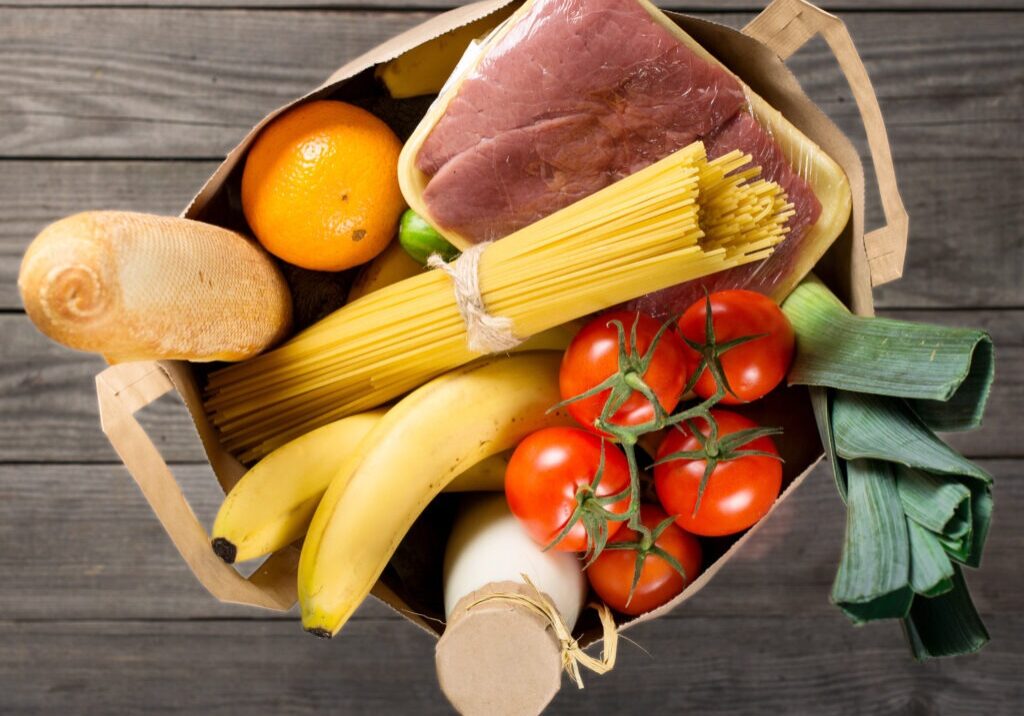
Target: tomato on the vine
(740, 471)
(593, 358)
(752, 369)
(550, 481)
(612, 574)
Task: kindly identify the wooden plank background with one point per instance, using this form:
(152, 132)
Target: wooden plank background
(129, 104)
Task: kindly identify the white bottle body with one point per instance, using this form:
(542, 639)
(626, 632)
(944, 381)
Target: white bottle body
(488, 545)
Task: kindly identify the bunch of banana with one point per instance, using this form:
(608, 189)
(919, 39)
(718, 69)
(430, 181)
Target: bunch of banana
(271, 506)
(354, 487)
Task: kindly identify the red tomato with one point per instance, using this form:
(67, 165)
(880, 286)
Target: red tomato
(544, 477)
(611, 574)
(593, 356)
(739, 492)
(752, 369)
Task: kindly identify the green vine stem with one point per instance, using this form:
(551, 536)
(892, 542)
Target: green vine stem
(629, 378)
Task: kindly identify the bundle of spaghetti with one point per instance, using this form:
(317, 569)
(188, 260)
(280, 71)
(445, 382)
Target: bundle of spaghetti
(637, 235)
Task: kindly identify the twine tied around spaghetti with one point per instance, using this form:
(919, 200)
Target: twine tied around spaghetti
(485, 332)
(573, 655)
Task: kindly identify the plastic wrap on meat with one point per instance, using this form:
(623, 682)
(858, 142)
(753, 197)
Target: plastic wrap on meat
(577, 95)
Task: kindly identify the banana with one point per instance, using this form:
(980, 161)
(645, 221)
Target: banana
(423, 443)
(271, 506)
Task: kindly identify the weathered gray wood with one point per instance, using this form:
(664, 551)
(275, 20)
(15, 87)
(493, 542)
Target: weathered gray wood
(48, 404)
(81, 543)
(155, 82)
(966, 246)
(741, 666)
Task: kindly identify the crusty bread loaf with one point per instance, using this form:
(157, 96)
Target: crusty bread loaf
(141, 287)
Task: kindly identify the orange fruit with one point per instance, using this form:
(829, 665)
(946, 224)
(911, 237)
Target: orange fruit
(320, 186)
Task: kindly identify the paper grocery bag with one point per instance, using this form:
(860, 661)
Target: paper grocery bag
(855, 263)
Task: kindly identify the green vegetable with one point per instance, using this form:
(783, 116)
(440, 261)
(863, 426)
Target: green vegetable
(420, 240)
(981, 519)
(945, 373)
(931, 572)
(873, 577)
(947, 625)
(939, 505)
(915, 507)
(886, 428)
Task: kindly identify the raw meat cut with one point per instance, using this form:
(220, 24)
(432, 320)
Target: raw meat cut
(743, 132)
(577, 95)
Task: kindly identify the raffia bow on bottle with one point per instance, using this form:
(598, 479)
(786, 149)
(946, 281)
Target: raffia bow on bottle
(573, 655)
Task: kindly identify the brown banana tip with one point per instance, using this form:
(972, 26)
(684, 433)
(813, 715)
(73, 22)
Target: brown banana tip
(320, 633)
(225, 550)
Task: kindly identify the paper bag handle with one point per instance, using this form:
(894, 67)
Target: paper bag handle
(124, 389)
(785, 26)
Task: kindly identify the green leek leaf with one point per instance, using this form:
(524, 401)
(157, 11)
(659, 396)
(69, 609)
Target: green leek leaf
(964, 410)
(931, 573)
(886, 357)
(981, 518)
(887, 429)
(947, 625)
(942, 505)
(873, 577)
(821, 403)
(958, 549)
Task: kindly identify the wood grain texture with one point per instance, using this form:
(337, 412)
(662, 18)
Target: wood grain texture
(741, 666)
(170, 83)
(48, 404)
(81, 543)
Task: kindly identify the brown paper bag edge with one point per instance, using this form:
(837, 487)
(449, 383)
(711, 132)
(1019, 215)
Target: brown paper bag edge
(805, 116)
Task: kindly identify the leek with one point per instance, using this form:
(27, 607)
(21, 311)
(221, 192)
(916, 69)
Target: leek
(931, 572)
(938, 505)
(915, 507)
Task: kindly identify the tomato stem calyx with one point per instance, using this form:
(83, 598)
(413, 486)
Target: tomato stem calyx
(714, 449)
(711, 352)
(593, 513)
(644, 547)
